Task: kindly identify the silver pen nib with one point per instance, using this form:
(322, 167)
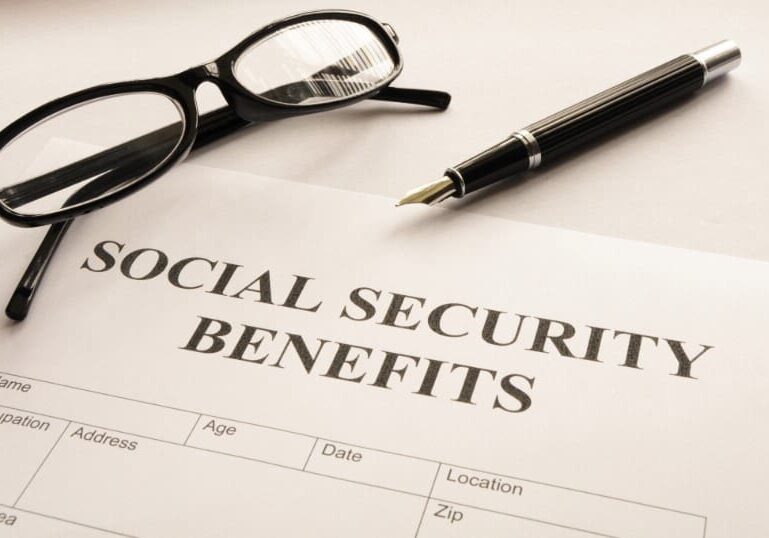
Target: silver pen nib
(429, 194)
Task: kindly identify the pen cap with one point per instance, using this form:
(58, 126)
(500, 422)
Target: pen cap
(718, 59)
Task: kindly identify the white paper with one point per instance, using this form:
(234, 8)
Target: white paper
(108, 425)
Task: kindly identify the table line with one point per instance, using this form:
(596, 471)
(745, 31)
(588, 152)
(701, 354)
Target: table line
(48, 516)
(427, 500)
(575, 490)
(299, 470)
(193, 412)
(304, 467)
(218, 452)
(358, 482)
(192, 430)
(93, 391)
(23, 491)
(150, 438)
(535, 520)
(567, 488)
(88, 424)
(427, 497)
(172, 408)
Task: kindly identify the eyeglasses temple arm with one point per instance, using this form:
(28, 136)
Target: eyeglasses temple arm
(21, 300)
(332, 77)
(432, 98)
(213, 126)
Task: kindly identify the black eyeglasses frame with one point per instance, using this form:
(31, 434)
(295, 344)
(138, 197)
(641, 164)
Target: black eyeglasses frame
(180, 88)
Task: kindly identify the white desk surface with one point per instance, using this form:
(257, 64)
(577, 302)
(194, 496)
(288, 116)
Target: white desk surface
(695, 178)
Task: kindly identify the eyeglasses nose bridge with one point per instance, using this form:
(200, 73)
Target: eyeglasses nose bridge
(211, 69)
(195, 76)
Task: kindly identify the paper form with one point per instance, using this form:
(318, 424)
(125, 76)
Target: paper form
(224, 355)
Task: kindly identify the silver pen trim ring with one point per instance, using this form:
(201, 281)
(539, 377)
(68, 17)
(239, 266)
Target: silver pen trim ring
(456, 175)
(532, 147)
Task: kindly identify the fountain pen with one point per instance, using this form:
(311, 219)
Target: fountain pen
(572, 127)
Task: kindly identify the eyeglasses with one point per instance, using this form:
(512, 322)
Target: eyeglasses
(311, 62)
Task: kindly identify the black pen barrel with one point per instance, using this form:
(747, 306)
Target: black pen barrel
(616, 107)
(594, 117)
(502, 161)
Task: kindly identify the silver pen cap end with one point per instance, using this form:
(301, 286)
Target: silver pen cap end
(718, 59)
